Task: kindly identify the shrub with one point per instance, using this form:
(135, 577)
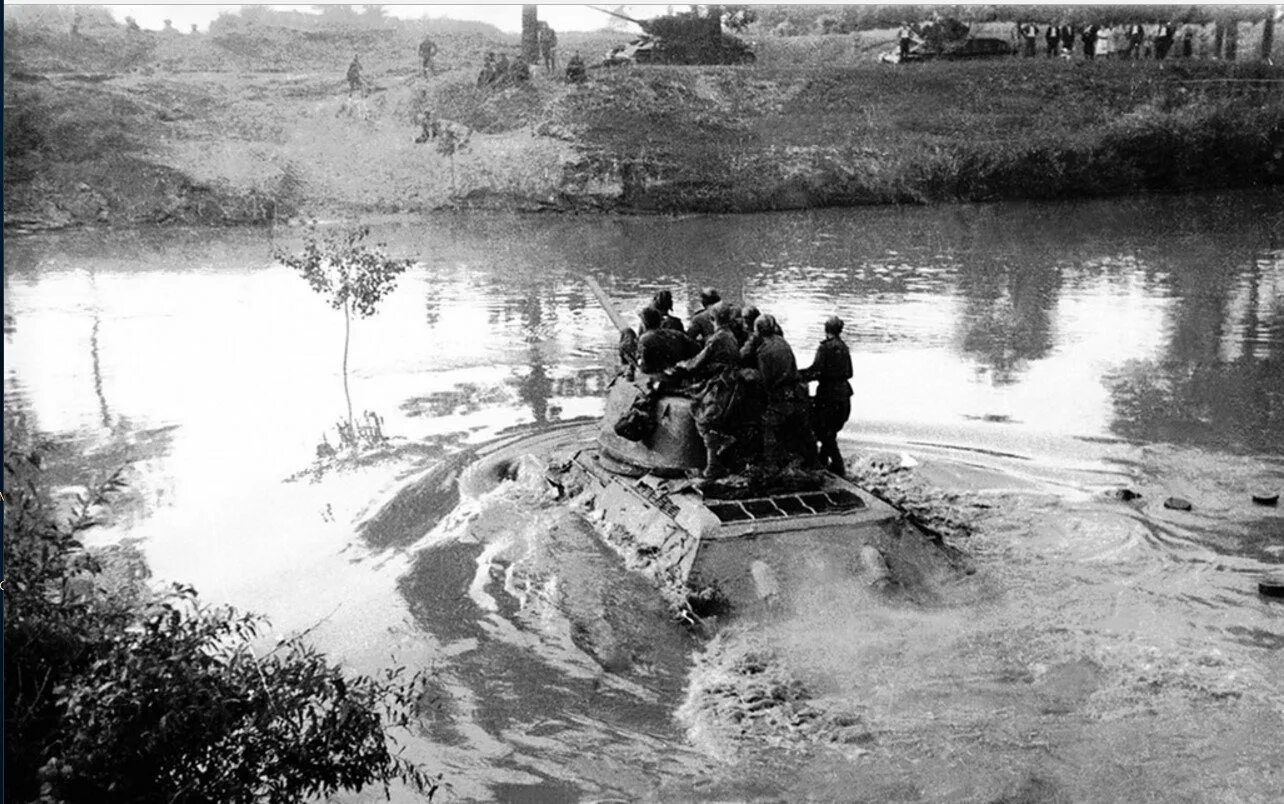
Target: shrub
(117, 697)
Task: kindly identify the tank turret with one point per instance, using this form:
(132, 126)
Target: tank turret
(671, 448)
(687, 37)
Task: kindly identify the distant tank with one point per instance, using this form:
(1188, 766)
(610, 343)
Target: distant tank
(684, 37)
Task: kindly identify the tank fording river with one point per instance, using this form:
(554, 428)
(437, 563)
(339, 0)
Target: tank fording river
(740, 543)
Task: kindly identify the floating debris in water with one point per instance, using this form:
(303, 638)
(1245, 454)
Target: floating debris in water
(1177, 504)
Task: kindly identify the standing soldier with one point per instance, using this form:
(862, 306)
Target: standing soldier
(354, 75)
(1029, 35)
(1052, 35)
(906, 38)
(1136, 40)
(487, 74)
(1089, 38)
(503, 70)
(784, 422)
(548, 47)
(715, 365)
(832, 404)
(1067, 38)
(427, 50)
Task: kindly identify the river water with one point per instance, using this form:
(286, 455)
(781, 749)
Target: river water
(1031, 358)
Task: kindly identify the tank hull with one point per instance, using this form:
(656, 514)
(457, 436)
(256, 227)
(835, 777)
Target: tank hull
(772, 550)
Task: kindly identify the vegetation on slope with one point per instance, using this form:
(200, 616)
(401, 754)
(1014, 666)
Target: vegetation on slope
(795, 130)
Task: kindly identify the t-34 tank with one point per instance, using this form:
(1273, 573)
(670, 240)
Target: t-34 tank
(743, 541)
(686, 37)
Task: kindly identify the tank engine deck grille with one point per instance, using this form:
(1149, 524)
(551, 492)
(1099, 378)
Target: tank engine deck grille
(786, 505)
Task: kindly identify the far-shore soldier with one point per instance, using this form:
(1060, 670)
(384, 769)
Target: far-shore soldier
(1052, 36)
(1089, 38)
(354, 74)
(702, 323)
(548, 47)
(488, 69)
(427, 51)
(832, 404)
(1067, 39)
(1029, 35)
(576, 72)
(715, 365)
(905, 36)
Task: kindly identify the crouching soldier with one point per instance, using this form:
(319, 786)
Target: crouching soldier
(660, 348)
(576, 72)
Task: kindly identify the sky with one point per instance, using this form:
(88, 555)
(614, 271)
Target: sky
(562, 16)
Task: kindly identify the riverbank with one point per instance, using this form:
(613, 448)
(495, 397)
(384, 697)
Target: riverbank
(252, 147)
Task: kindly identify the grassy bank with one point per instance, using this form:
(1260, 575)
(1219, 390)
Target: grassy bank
(735, 139)
(249, 146)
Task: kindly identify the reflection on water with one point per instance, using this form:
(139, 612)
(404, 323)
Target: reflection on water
(1035, 337)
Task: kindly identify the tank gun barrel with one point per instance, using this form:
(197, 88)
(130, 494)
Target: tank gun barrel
(605, 301)
(619, 15)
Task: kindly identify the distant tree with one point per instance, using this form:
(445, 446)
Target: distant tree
(353, 276)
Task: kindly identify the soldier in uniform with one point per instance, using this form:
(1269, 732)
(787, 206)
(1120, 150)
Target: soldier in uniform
(1052, 36)
(354, 74)
(548, 47)
(832, 404)
(576, 72)
(702, 323)
(784, 422)
(1029, 34)
(715, 365)
(659, 347)
(427, 50)
(487, 75)
(663, 301)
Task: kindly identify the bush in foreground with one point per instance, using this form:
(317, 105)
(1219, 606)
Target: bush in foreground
(112, 695)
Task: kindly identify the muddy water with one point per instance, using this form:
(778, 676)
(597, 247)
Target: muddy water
(1032, 358)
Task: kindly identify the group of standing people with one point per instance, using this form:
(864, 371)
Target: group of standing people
(751, 401)
(1133, 41)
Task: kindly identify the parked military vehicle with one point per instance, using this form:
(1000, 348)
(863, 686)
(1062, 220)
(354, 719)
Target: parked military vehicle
(681, 38)
(967, 49)
(948, 39)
